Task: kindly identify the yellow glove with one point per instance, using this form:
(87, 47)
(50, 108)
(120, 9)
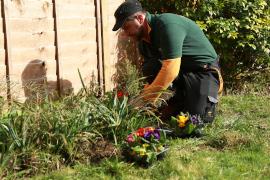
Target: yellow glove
(168, 72)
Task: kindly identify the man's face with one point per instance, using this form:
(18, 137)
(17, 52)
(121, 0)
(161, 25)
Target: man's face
(133, 29)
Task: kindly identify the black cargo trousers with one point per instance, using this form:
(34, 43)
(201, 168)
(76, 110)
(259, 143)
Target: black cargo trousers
(196, 89)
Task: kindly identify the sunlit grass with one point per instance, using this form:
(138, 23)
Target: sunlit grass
(236, 146)
(79, 137)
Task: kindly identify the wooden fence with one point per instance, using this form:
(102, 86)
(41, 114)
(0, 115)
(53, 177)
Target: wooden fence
(47, 41)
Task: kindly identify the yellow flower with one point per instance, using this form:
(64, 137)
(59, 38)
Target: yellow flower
(145, 145)
(181, 125)
(182, 121)
(160, 148)
(142, 152)
(183, 118)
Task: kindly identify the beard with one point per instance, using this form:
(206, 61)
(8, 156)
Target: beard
(139, 35)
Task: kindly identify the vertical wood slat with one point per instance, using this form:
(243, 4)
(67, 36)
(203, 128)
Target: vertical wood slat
(106, 44)
(102, 38)
(7, 46)
(100, 47)
(56, 44)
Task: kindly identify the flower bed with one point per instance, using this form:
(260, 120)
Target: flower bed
(145, 145)
(185, 125)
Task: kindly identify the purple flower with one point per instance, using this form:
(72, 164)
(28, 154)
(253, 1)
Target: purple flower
(194, 119)
(154, 133)
(147, 135)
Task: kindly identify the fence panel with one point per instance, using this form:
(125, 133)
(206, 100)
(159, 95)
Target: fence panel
(47, 41)
(110, 40)
(31, 41)
(77, 41)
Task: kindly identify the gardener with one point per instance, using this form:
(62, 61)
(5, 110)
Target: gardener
(176, 52)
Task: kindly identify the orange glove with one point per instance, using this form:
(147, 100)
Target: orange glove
(146, 86)
(168, 72)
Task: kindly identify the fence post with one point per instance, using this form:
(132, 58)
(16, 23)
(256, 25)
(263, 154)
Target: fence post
(100, 58)
(7, 46)
(56, 44)
(106, 44)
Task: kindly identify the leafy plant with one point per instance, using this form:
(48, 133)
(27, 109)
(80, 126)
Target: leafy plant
(145, 145)
(186, 125)
(115, 117)
(39, 137)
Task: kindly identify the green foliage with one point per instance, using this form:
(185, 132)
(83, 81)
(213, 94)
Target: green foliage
(239, 30)
(82, 128)
(40, 138)
(21, 147)
(236, 146)
(115, 117)
(128, 78)
(145, 146)
(27, 130)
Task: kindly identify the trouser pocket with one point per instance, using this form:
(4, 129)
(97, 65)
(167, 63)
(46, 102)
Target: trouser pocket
(210, 110)
(200, 94)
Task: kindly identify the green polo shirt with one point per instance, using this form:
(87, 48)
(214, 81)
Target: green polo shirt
(174, 36)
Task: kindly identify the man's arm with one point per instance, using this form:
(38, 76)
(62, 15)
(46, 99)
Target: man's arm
(167, 74)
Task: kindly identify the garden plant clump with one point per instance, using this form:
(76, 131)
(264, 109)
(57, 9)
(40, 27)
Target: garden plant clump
(145, 146)
(83, 128)
(186, 125)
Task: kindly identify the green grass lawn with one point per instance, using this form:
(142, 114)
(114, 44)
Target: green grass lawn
(235, 146)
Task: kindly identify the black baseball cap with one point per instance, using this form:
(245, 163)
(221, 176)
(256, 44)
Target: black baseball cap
(125, 10)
